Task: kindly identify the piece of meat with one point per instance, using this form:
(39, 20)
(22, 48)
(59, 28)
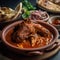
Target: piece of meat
(28, 31)
(23, 32)
(43, 30)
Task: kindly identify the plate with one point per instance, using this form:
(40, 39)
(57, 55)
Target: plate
(48, 10)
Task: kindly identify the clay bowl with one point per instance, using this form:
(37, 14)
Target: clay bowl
(55, 18)
(29, 51)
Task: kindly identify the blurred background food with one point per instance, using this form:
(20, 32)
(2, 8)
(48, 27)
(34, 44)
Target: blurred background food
(6, 14)
(51, 5)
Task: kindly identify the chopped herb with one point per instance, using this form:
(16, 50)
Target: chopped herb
(27, 7)
(26, 15)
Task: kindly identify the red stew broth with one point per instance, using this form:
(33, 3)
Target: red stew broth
(8, 37)
(27, 45)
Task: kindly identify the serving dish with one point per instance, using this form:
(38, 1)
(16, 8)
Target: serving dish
(29, 51)
(8, 14)
(5, 20)
(47, 9)
(54, 22)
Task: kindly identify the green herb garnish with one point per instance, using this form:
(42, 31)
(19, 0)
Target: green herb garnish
(27, 7)
(26, 15)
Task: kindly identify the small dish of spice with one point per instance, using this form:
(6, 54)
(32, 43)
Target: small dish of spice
(55, 21)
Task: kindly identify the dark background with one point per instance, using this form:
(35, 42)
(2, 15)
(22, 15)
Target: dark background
(13, 3)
